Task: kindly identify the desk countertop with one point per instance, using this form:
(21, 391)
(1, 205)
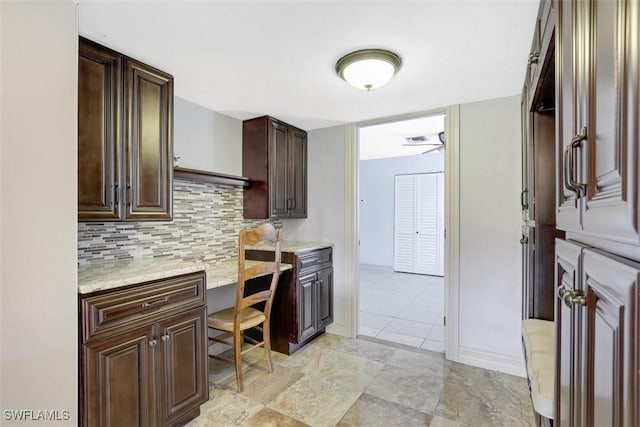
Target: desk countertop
(111, 275)
(104, 276)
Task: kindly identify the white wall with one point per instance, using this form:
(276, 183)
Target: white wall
(38, 361)
(206, 140)
(490, 263)
(326, 210)
(377, 201)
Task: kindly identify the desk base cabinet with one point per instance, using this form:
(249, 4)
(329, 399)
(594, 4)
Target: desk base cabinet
(303, 304)
(151, 369)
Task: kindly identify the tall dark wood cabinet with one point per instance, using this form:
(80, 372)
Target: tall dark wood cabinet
(143, 353)
(538, 170)
(598, 205)
(125, 137)
(274, 157)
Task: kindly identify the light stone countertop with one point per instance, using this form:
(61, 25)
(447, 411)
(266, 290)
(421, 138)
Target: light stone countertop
(104, 276)
(293, 246)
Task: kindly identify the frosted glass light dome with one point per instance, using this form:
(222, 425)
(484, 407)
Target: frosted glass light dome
(369, 68)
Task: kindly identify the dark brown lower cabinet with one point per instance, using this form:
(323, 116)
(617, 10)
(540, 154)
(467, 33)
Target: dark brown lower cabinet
(303, 304)
(144, 354)
(597, 383)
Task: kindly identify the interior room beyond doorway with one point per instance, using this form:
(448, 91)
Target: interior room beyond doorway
(401, 231)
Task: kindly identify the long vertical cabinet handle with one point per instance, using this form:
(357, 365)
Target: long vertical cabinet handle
(576, 142)
(568, 161)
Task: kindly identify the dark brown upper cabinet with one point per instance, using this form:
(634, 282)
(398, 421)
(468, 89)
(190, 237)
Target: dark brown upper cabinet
(274, 157)
(125, 138)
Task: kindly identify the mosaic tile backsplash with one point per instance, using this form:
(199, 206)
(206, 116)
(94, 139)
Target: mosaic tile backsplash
(206, 221)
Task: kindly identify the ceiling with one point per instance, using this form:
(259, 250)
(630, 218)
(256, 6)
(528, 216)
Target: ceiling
(390, 139)
(247, 58)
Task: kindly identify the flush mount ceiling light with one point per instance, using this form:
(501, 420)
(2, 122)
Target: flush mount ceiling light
(368, 68)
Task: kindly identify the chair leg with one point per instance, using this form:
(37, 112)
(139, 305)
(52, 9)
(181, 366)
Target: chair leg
(237, 353)
(266, 337)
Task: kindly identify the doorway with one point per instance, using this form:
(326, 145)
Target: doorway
(401, 231)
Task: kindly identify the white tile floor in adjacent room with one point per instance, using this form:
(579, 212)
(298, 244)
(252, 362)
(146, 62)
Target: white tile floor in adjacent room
(402, 308)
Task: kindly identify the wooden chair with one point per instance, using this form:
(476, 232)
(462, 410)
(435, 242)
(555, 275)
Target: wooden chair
(235, 320)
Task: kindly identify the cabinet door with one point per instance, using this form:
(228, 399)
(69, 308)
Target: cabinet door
(528, 270)
(149, 142)
(99, 118)
(278, 184)
(569, 110)
(526, 195)
(611, 370)
(611, 200)
(307, 306)
(297, 174)
(569, 338)
(325, 297)
(118, 389)
(182, 365)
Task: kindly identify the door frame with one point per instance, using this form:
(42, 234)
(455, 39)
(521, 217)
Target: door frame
(451, 218)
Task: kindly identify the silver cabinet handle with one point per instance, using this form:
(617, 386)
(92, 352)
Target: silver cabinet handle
(153, 343)
(575, 298)
(165, 338)
(524, 240)
(579, 188)
(156, 302)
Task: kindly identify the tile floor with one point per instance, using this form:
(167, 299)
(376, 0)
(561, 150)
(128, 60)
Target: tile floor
(402, 308)
(336, 381)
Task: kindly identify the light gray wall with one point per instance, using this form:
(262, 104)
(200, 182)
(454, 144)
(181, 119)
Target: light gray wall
(377, 201)
(38, 307)
(326, 209)
(490, 221)
(206, 140)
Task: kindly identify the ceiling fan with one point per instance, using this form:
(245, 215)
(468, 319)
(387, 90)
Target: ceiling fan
(424, 140)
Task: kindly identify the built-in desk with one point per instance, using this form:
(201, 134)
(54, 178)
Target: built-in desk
(113, 275)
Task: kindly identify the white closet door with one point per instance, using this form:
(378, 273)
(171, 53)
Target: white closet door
(404, 239)
(419, 225)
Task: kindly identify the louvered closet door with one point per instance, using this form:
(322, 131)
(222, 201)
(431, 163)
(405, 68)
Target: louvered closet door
(419, 228)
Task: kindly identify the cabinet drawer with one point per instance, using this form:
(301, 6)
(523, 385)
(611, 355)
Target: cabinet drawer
(314, 261)
(102, 314)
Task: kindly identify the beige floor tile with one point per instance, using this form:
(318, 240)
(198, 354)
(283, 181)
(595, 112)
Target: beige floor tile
(315, 401)
(270, 418)
(267, 387)
(407, 387)
(344, 369)
(225, 408)
(372, 411)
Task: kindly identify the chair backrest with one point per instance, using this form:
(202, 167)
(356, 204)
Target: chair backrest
(264, 233)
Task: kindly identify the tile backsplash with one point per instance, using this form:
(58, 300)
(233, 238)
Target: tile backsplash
(206, 221)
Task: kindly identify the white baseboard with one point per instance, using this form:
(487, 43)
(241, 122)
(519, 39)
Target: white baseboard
(493, 361)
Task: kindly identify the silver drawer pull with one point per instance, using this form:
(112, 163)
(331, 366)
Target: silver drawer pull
(165, 337)
(153, 343)
(156, 302)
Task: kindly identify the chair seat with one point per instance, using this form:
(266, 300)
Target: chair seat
(223, 319)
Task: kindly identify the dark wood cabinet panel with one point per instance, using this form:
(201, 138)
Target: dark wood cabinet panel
(99, 131)
(146, 365)
(125, 138)
(596, 349)
(149, 112)
(307, 306)
(325, 297)
(278, 170)
(569, 336)
(182, 364)
(274, 157)
(118, 384)
(297, 179)
(611, 362)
